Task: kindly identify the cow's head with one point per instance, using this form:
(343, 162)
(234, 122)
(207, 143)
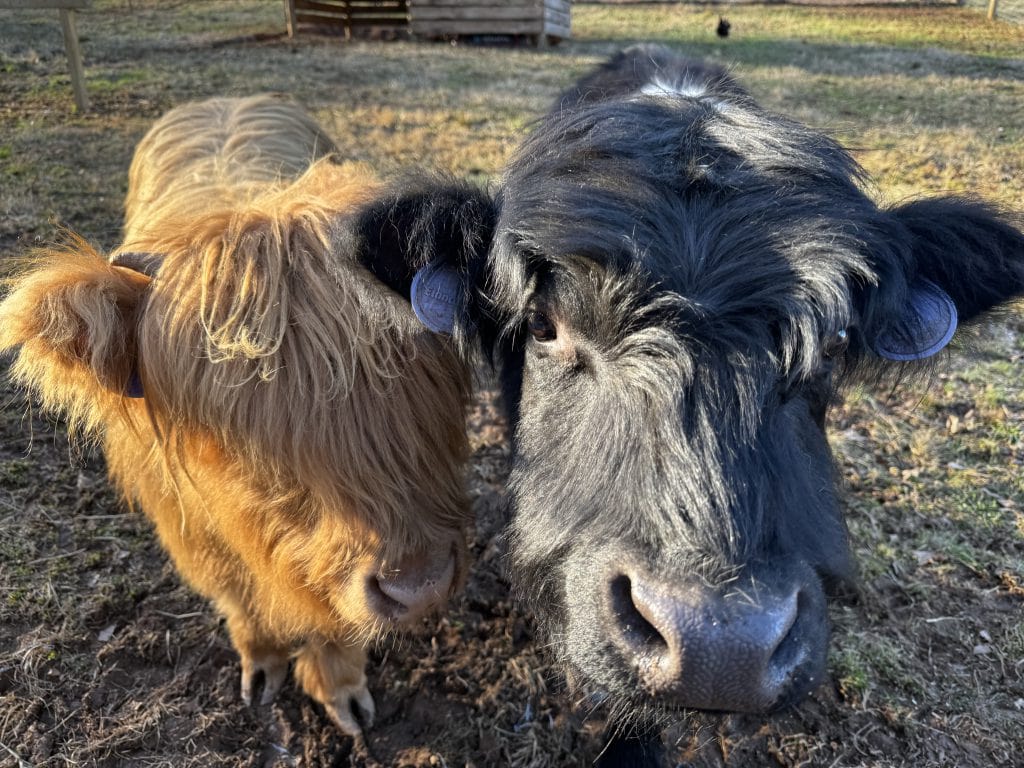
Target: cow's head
(245, 352)
(678, 284)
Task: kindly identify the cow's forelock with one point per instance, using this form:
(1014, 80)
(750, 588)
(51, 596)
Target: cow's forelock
(721, 208)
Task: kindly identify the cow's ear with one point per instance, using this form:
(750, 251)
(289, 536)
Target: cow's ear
(72, 314)
(955, 260)
(968, 249)
(427, 240)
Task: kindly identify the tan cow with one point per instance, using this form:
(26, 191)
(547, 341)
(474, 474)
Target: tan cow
(294, 433)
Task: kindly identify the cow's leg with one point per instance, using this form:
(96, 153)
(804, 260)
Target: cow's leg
(261, 654)
(335, 675)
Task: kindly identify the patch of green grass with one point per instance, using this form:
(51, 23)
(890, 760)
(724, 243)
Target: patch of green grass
(956, 550)
(94, 559)
(982, 374)
(873, 561)
(12, 471)
(118, 80)
(1011, 641)
(851, 672)
(965, 499)
(208, 19)
(863, 662)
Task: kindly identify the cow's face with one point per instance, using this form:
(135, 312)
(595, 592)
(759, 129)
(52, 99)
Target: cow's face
(309, 395)
(328, 396)
(669, 361)
(679, 283)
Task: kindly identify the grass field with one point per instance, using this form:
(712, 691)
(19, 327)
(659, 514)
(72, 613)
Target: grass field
(106, 659)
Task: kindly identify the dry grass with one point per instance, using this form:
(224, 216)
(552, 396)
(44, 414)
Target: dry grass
(105, 659)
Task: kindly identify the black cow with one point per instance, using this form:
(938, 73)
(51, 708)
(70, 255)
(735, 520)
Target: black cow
(678, 281)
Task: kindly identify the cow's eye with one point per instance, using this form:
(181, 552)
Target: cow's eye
(540, 327)
(836, 345)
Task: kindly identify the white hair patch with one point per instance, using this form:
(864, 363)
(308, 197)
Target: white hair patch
(687, 88)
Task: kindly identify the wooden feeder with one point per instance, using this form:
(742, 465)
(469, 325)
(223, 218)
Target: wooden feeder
(348, 14)
(536, 19)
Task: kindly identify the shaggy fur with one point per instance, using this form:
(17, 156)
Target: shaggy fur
(301, 440)
(678, 284)
(681, 282)
(710, 273)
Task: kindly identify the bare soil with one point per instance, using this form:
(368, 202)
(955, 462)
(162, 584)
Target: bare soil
(107, 660)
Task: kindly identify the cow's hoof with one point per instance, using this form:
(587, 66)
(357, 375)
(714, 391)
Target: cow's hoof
(333, 675)
(352, 708)
(271, 669)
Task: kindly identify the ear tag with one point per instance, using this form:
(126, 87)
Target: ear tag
(925, 328)
(435, 296)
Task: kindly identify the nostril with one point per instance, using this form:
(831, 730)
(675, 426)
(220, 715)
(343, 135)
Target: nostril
(788, 650)
(788, 612)
(413, 587)
(381, 602)
(632, 618)
(791, 652)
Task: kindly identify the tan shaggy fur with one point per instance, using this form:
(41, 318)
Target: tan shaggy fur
(301, 435)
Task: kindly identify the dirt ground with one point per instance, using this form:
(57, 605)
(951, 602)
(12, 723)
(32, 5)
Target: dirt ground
(107, 660)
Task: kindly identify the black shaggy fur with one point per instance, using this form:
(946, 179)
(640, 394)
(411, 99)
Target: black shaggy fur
(678, 283)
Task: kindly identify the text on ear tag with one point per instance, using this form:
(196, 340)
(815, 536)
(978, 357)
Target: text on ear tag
(435, 296)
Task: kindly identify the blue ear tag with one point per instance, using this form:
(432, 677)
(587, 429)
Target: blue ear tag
(925, 328)
(435, 296)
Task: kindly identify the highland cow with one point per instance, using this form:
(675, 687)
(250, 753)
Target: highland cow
(292, 430)
(678, 284)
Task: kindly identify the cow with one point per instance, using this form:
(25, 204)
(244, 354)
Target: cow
(678, 285)
(293, 431)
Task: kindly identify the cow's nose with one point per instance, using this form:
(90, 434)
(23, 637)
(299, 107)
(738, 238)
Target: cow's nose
(749, 647)
(408, 589)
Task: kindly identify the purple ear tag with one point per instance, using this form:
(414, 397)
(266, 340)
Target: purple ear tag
(925, 328)
(435, 296)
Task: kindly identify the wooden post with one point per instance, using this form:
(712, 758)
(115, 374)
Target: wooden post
(992, 9)
(67, 22)
(289, 13)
